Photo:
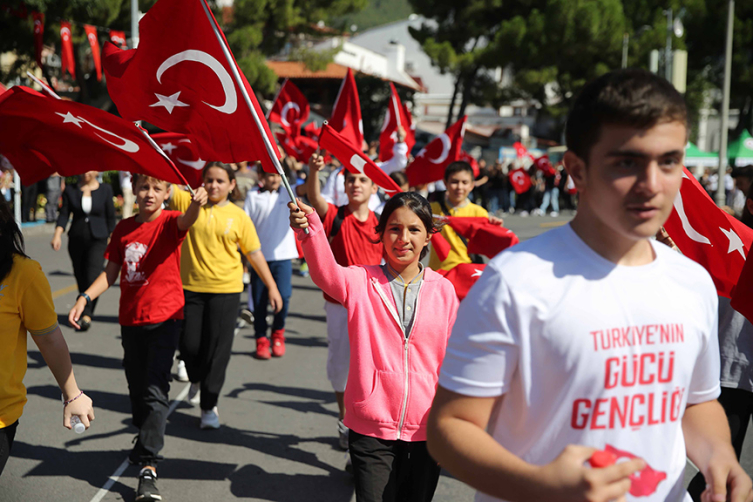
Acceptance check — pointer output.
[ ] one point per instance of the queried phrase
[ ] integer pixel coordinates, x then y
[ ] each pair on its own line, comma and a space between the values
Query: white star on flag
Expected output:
477, 273
168, 147
68, 118
735, 243
169, 102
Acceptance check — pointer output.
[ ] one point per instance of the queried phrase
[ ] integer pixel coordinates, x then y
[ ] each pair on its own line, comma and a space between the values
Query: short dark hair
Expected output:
416, 203
631, 97
399, 177
347, 171
456, 167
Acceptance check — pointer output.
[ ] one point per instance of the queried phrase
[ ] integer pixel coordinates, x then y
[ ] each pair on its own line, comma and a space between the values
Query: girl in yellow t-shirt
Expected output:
26, 305
212, 275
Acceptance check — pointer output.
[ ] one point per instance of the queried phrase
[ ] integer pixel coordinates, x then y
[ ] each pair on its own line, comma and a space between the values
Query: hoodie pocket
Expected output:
383, 403
423, 387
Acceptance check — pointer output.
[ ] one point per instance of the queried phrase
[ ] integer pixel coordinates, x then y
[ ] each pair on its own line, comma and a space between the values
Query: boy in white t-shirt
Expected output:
591, 336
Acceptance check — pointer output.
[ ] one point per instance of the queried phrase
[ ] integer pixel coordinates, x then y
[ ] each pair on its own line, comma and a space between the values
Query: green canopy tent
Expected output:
740, 151
695, 157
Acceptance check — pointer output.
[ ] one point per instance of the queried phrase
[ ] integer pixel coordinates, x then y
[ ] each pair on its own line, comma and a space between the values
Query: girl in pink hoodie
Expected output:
400, 316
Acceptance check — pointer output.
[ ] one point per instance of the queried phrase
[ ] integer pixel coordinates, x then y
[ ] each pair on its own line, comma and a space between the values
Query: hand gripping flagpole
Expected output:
247, 99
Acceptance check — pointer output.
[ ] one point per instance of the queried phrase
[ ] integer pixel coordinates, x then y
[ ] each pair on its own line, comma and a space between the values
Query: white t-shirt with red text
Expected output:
588, 352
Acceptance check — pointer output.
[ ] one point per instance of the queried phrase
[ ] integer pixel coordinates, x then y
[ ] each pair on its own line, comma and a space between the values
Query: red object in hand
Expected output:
602, 458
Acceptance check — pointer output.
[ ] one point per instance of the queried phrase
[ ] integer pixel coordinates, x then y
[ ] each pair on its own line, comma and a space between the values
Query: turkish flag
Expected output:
38, 36
69, 62
522, 151
180, 80
706, 234
346, 114
184, 154
313, 132
393, 118
463, 276
290, 109
91, 35
483, 236
118, 38
41, 135
431, 162
299, 147
544, 165
354, 160
410, 128
465, 156
520, 180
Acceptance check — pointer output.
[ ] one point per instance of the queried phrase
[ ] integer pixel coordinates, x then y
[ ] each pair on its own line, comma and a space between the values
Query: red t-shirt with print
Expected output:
149, 256
356, 243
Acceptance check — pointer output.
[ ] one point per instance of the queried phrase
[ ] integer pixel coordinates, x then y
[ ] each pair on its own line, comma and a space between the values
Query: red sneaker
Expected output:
262, 348
278, 343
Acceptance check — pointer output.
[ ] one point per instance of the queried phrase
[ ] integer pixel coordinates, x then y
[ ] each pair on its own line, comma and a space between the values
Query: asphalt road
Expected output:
278, 436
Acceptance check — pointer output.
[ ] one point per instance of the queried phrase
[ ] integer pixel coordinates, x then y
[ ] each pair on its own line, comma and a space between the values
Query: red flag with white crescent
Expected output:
520, 180
38, 18
290, 109
91, 36
299, 147
184, 154
393, 119
180, 80
706, 234
354, 160
68, 61
522, 151
346, 113
118, 38
410, 128
463, 276
430, 163
41, 135
544, 165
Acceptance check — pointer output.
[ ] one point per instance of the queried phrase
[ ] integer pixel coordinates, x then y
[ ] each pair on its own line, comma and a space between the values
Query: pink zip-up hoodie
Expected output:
391, 381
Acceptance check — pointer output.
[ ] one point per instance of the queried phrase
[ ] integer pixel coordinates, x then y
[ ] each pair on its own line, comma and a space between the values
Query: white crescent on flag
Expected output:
446, 145
284, 113
231, 97
127, 146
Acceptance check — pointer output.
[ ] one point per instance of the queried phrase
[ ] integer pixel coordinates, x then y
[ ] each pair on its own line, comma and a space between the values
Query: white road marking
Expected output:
122, 467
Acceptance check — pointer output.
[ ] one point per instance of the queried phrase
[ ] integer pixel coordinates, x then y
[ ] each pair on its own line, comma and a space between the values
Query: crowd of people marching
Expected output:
583, 365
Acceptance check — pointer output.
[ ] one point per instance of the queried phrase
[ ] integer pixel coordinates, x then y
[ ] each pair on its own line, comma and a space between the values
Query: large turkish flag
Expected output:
41, 135
354, 160
346, 113
431, 162
180, 80
290, 109
706, 234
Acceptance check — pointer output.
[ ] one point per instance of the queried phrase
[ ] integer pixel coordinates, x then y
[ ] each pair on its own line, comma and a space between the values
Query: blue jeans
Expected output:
498, 199
282, 272
552, 196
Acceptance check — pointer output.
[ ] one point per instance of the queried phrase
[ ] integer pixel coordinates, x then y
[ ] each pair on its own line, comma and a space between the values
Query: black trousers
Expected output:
738, 406
207, 340
392, 471
88, 259
29, 203
148, 358
6, 443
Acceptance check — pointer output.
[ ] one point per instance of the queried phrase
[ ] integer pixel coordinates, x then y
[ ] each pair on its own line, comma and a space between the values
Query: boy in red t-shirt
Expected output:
147, 248
354, 241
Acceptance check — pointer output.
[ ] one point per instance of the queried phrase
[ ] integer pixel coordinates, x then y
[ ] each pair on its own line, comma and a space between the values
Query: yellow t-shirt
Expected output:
210, 261
25, 304
458, 251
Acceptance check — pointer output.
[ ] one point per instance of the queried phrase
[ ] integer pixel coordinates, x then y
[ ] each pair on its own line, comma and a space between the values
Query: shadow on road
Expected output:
252, 481
308, 317
306, 287
79, 359
102, 400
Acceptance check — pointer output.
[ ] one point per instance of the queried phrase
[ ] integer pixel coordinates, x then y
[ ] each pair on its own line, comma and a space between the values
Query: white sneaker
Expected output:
210, 419
194, 394
524, 213
554, 214
343, 433
182, 374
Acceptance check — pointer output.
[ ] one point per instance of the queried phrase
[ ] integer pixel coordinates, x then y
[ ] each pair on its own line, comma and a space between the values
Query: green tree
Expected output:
261, 28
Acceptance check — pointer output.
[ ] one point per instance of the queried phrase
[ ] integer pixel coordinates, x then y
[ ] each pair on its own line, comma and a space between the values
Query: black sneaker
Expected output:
147, 490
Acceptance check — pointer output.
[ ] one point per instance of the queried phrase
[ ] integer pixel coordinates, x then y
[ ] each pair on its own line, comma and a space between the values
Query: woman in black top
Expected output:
93, 221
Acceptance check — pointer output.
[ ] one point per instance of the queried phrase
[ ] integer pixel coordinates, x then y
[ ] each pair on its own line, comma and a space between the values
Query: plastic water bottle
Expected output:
78, 427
